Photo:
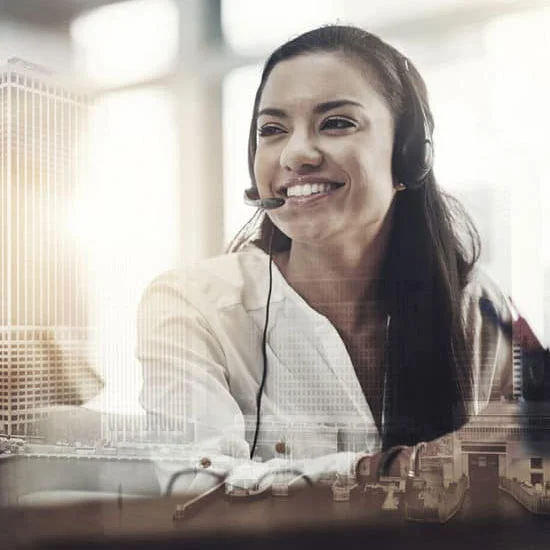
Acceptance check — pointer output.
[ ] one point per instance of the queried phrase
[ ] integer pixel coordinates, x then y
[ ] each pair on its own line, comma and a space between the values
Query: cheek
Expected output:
262, 170
373, 189
373, 173
359, 171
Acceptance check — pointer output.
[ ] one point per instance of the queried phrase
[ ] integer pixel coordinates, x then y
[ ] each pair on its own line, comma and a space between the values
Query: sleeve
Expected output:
488, 325
185, 380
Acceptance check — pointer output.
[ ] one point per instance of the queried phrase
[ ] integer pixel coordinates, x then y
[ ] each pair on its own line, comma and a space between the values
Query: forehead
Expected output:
316, 77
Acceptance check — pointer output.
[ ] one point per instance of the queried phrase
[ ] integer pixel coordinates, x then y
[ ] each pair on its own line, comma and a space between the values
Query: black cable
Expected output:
176, 475
264, 348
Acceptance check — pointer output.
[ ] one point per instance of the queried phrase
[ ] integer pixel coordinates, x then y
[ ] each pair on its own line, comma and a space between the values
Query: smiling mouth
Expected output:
310, 189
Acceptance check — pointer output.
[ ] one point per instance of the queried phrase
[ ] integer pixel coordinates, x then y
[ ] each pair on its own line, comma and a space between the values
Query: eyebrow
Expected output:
319, 109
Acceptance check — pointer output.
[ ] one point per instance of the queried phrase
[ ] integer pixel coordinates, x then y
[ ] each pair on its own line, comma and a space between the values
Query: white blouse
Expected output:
200, 346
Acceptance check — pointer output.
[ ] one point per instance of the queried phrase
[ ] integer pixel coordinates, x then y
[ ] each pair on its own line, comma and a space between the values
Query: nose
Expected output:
301, 152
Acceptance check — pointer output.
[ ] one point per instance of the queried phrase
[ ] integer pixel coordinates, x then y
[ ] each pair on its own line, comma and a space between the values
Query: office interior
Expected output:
143, 164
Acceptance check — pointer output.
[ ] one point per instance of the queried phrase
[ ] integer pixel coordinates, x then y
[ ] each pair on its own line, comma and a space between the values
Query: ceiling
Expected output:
59, 13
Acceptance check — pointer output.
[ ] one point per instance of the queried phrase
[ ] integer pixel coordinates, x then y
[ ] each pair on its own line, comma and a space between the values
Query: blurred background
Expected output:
124, 144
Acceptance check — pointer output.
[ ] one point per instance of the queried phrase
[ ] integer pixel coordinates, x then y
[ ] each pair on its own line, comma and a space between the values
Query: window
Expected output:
536, 463
239, 88
144, 47
537, 479
249, 29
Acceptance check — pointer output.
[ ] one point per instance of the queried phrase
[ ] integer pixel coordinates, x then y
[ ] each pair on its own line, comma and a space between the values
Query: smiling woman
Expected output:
345, 319
329, 127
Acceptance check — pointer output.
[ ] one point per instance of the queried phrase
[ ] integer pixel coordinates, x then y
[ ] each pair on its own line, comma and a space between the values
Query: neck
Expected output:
340, 280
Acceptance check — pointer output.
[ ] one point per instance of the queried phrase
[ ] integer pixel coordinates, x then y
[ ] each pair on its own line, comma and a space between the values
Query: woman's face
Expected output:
325, 140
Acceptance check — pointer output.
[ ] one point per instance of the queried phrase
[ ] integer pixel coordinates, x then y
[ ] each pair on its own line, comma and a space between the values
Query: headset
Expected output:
412, 162
413, 152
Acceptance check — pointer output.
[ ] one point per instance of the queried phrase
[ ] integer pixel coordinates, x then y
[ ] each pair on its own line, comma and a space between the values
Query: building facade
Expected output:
44, 351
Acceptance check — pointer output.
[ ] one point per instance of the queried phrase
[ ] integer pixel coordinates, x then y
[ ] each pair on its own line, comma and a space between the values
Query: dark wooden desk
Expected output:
307, 519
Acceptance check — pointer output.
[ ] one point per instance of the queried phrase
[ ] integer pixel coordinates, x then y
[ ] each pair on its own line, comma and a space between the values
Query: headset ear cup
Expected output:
428, 157
413, 160
428, 153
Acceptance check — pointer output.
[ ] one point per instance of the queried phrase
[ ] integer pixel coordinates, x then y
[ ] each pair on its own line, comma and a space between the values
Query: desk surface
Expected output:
307, 519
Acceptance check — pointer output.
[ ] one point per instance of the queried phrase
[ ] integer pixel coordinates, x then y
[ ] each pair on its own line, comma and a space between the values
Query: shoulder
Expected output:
219, 282
484, 299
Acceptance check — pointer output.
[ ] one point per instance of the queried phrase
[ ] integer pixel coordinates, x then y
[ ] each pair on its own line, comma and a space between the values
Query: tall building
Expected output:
517, 370
44, 352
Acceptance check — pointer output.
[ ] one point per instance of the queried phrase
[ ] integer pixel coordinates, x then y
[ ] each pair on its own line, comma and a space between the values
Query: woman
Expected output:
347, 319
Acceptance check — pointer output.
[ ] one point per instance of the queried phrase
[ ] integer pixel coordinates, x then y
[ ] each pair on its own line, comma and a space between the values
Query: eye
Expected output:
337, 123
269, 130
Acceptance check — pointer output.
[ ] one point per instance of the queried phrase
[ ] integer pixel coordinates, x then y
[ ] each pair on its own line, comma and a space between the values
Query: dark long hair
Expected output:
432, 249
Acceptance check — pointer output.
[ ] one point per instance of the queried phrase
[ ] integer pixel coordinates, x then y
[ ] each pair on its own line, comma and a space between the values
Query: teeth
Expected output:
308, 189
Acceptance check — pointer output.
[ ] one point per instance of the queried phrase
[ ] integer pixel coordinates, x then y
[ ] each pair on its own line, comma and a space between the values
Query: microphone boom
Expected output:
266, 204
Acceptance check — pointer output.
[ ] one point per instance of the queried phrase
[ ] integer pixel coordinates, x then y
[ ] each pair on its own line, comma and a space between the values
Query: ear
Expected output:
397, 185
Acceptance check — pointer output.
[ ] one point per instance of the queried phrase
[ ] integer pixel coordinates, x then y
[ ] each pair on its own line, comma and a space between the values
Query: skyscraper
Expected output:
44, 355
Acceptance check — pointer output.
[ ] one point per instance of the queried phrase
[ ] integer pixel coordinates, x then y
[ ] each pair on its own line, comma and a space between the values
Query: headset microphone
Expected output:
271, 203
267, 204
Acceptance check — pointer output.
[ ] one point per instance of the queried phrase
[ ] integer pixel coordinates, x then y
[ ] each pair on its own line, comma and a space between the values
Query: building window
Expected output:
537, 479
536, 463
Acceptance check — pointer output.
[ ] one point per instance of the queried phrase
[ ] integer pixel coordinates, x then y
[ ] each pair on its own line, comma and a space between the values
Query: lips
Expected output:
309, 189
306, 187
302, 200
